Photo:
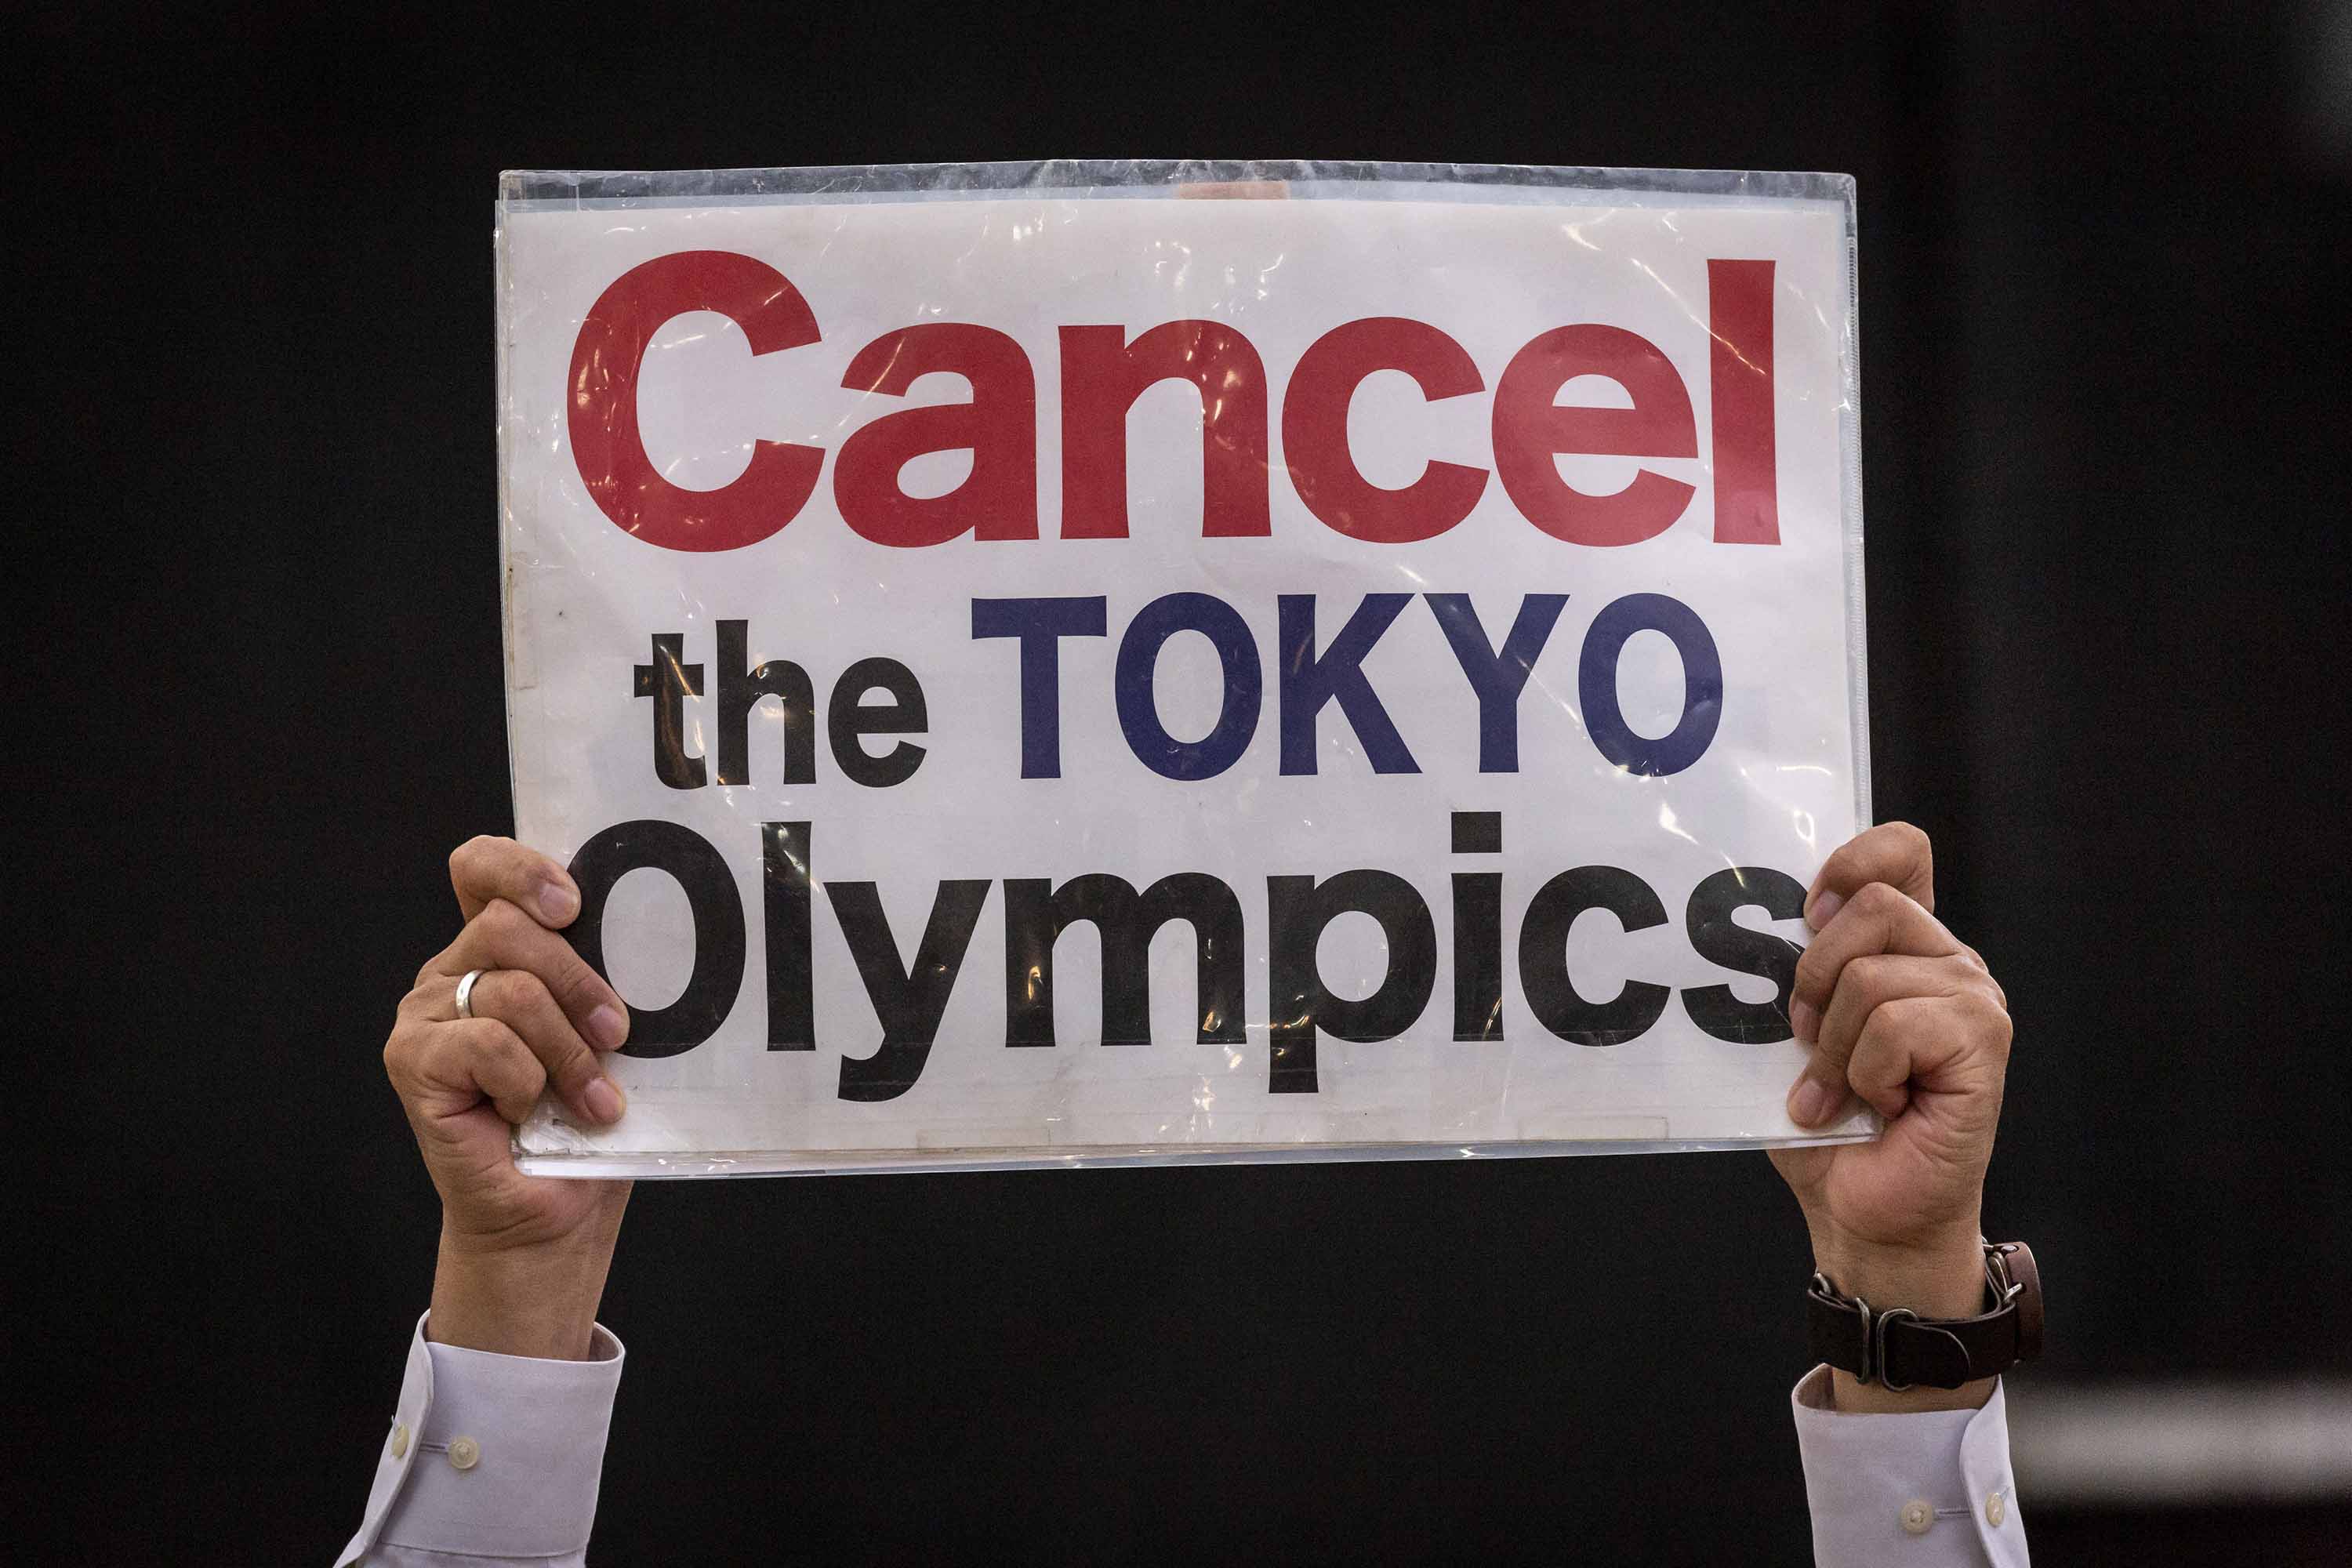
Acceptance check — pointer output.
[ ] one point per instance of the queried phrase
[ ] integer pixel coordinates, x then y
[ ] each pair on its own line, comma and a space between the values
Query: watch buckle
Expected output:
1874, 1340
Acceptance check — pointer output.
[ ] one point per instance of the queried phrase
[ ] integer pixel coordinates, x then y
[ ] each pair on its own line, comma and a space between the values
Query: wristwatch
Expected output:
1896, 1348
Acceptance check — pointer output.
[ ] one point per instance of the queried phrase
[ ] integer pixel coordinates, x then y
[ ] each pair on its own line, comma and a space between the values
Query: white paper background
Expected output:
1777, 786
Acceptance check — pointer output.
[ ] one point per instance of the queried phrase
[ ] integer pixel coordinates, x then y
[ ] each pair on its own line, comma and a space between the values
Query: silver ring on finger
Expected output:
466, 992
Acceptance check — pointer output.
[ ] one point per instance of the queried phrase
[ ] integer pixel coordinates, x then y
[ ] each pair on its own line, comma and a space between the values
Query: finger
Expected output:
1895, 853
1864, 985
468, 1060
1909, 1042
503, 937
1877, 919
1873, 980
484, 868
520, 1000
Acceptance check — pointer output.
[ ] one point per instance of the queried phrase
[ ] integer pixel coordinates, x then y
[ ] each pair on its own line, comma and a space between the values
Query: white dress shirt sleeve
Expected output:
489, 1459
495, 1458
1933, 1491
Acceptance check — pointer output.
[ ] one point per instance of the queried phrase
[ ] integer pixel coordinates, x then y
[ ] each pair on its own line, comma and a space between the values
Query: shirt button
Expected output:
1996, 1510
399, 1440
1917, 1515
463, 1453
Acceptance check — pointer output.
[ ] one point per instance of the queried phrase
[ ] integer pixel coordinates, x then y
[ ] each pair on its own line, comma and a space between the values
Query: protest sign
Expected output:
1074, 662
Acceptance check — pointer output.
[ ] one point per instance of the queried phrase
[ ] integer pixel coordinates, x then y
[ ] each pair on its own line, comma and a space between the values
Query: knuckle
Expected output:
530, 992
1908, 837
498, 1049
1888, 1022
1870, 977
486, 1076
573, 1066
524, 1077
1885, 1055
468, 855
501, 919
579, 988
1875, 1061
408, 1029
506, 994
1875, 899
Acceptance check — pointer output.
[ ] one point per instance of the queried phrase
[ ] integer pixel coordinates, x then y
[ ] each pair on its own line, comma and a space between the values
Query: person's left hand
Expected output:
1902, 1013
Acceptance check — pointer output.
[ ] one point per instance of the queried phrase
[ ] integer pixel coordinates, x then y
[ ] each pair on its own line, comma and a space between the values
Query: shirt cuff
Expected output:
492, 1455
1929, 1488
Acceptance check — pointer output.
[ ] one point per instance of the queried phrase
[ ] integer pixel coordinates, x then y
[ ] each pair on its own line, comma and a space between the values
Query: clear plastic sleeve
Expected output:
1075, 663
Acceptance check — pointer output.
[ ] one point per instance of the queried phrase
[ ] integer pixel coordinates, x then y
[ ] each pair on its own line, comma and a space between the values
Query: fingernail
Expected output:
1804, 1018
606, 1027
604, 1101
1824, 910
1811, 1102
557, 902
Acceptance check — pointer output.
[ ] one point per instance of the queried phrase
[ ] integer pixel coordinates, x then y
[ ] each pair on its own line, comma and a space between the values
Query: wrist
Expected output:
1936, 1276
1941, 1276
538, 1301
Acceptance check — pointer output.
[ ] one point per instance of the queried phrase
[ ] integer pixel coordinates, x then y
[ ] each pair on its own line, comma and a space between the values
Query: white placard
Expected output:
1422, 750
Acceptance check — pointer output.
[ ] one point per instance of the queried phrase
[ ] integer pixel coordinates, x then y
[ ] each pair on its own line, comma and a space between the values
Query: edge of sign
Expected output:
1857, 635
932, 1162
527, 190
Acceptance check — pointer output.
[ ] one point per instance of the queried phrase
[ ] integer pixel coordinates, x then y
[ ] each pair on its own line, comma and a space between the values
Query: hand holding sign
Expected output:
1902, 1013
522, 1257
1897, 1009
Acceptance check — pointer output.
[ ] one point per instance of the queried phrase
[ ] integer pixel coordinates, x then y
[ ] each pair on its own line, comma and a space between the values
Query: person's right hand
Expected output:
522, 1259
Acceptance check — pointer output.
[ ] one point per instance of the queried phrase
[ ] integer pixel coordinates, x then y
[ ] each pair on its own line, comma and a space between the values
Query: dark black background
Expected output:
2104, 283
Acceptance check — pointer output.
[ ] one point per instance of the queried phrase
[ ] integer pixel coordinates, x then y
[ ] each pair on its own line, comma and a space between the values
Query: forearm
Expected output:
540, 1300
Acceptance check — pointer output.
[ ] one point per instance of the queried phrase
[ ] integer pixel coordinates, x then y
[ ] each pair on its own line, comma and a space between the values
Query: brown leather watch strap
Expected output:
1894, 1346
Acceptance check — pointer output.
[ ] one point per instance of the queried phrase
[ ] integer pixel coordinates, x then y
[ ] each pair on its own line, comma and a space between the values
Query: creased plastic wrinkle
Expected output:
1088, 663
